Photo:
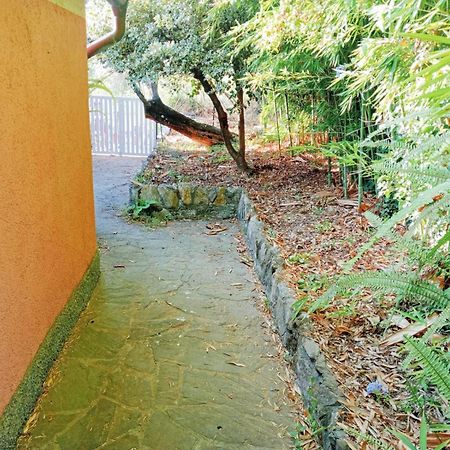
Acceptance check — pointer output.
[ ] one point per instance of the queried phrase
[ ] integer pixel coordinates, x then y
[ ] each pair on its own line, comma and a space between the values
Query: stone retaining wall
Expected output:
188, 201
318, 386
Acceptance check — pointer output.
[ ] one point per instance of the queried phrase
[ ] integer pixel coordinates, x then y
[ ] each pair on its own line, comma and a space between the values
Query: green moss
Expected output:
23, 401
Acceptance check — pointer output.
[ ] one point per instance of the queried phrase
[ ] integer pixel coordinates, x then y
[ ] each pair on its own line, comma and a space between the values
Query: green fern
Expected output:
432, 175
432, 212
422, 438
442, 241
423, 199
442, 321
417, 146
417, 251
406, 284
435, 367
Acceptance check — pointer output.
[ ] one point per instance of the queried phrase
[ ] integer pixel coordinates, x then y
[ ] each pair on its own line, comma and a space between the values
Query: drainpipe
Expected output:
119, 8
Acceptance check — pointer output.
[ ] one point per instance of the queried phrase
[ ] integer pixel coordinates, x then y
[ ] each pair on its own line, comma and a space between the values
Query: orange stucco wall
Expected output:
47, 232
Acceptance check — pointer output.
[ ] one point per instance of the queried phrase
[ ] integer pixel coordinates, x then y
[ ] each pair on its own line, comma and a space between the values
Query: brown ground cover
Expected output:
317, 231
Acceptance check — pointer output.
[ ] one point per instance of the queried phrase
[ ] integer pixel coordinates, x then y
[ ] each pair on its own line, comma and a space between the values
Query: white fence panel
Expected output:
119, 127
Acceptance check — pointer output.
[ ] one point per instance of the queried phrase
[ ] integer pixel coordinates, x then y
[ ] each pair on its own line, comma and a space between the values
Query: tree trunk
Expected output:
156, 110
241, 106
222, 116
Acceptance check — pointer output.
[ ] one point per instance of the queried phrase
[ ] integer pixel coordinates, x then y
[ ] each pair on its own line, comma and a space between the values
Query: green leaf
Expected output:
434, 366
442, 241
428, 37
407, 284
404, 439
423, 433
423, 199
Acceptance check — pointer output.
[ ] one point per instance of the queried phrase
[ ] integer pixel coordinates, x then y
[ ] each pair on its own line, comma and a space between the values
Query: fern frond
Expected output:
416, 249
434, 366
432, 143
407, 285
430, 212
423, 199
433, 175
324, 300
441, 322
373, 219
442, 241
415, 147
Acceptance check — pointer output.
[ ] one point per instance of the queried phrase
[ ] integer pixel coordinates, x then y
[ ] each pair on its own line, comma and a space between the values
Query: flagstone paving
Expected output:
170, 352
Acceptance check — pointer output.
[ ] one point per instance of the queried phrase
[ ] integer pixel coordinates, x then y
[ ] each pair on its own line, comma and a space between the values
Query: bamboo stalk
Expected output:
278, 123
288, 118
344, 181
361, 154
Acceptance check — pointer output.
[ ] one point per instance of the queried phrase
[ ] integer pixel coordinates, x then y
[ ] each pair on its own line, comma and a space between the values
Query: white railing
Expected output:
119, 127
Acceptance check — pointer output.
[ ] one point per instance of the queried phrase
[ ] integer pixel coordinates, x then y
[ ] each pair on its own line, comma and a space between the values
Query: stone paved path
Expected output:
170, 352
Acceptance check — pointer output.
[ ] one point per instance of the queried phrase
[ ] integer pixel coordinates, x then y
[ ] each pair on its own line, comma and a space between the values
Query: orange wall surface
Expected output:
47, 230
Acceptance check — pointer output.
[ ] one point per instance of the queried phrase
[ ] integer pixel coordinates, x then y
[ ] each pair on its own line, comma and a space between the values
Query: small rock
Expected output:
169, 197
212, 195
201, 196
150, 192
311, 348
221, 198
186, 193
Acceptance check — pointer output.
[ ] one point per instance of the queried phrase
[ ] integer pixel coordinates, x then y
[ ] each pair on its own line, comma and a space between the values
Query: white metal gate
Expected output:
119, 127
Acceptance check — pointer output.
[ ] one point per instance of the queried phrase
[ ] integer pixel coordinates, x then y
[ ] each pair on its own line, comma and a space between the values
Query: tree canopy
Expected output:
173, 40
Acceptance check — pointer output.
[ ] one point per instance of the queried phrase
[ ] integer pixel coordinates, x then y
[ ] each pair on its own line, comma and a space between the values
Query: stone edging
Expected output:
317, 384
24, 399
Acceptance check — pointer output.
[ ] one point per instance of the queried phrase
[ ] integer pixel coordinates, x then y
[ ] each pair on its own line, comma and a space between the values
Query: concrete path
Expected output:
170, 352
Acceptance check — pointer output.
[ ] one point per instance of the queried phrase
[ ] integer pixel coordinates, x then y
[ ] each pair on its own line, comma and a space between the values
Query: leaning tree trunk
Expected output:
238, 156
156, 110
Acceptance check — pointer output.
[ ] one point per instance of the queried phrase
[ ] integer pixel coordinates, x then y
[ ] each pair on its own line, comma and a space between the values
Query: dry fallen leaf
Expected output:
235, 364
411, 330
435, 439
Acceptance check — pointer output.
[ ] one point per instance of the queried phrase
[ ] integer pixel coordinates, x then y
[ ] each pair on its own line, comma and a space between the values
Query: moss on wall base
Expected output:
23, 401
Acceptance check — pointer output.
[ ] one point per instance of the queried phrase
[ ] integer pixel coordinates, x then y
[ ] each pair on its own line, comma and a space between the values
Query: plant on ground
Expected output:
324, 227
299, 258
150, 212
312, 427
139, 207
220, 154
345, 311
405, 440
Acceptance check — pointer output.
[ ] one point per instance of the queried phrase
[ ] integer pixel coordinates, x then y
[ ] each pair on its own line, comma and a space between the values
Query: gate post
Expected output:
120, 125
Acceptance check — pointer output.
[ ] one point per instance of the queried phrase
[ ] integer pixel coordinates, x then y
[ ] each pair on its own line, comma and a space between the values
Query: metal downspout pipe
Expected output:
119, 8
